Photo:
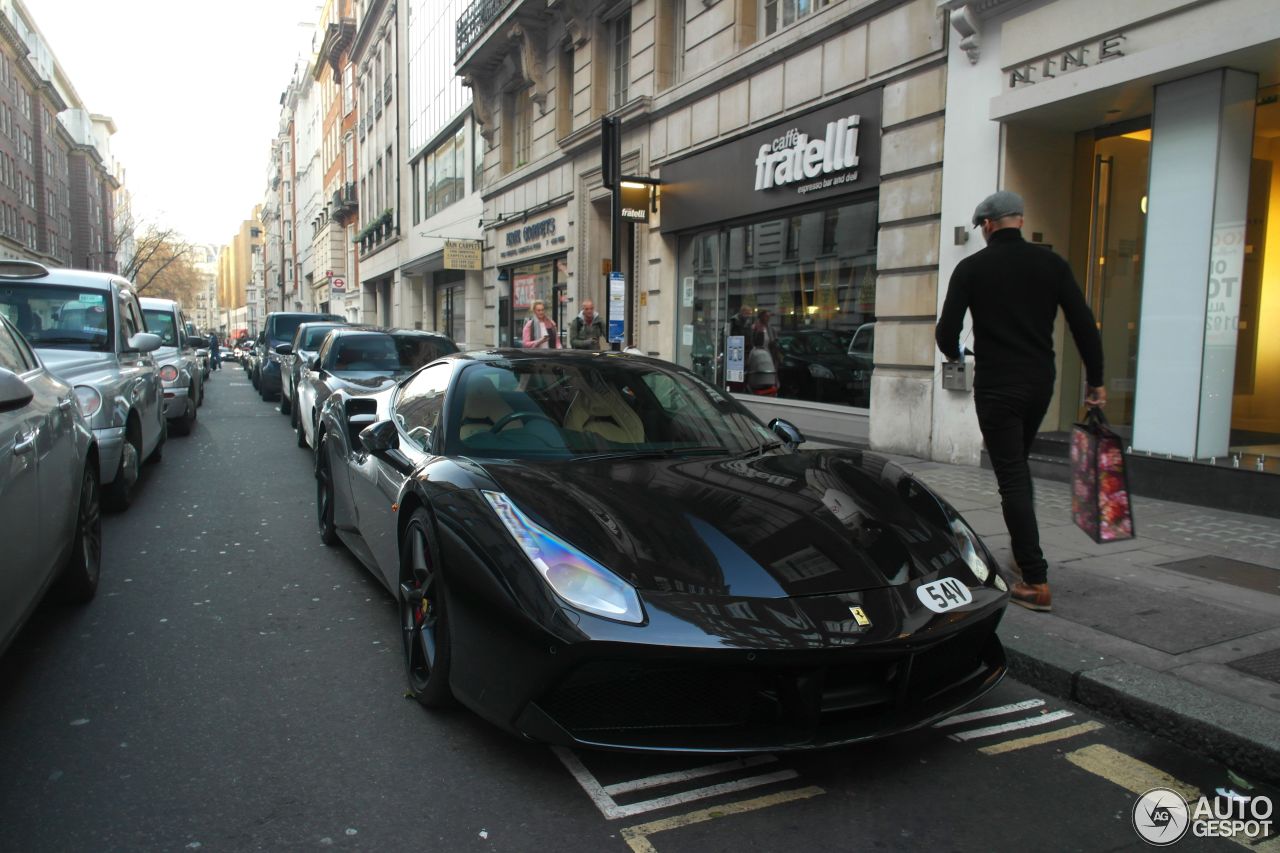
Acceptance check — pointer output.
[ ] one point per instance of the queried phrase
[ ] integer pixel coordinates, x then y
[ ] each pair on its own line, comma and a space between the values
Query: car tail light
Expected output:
89, 400
169, 373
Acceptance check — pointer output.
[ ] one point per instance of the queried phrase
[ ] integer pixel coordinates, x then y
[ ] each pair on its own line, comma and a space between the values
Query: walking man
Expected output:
1013, 289
587, 329
215, 355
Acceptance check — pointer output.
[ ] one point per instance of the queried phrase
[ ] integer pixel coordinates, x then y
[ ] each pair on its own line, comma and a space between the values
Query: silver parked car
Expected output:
180, 370
88, 329
50, 522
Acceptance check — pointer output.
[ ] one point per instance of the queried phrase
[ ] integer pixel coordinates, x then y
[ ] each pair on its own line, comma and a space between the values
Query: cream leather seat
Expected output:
483, 408
604, 413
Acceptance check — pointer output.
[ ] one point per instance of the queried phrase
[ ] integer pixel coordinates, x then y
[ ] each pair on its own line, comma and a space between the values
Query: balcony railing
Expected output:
473, 23
344, 201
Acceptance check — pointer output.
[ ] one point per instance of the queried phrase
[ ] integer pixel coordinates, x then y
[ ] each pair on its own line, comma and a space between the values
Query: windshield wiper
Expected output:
762, 449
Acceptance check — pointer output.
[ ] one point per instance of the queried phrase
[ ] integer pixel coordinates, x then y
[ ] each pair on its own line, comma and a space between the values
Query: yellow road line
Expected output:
1139, 777
1036, 740
1129, 773
637, 837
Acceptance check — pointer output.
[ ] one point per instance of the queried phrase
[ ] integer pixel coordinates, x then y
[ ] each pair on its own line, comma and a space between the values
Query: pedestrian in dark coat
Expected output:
1014, 289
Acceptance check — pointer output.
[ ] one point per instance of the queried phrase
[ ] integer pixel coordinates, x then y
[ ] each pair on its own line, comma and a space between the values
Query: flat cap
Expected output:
998, 205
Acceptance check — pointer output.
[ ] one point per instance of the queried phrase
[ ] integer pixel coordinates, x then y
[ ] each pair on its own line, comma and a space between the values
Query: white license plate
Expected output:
943, 595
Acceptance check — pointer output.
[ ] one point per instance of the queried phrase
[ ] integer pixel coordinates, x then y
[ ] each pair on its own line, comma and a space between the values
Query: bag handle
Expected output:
1094, 416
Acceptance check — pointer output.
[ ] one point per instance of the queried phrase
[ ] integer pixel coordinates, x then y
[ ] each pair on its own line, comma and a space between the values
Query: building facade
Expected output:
335, 285
1145, 138
57, 176
796, 150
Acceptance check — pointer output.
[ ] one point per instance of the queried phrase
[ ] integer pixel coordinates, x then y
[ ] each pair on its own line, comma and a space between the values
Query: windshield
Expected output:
607, 407
314, 335
59, 317
413, 351
160, 322
282, 327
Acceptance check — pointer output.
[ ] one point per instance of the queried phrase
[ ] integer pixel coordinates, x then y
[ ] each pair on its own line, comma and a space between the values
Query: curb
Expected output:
1244, 737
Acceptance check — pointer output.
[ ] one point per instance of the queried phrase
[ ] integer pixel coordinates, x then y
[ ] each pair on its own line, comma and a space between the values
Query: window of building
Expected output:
477, 157
813, 311
779, 14
391, 181
671, 42
416, 174
348, 91
620, 41
564, 93
518, 130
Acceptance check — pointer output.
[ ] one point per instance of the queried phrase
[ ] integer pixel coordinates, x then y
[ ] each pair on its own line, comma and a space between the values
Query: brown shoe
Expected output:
1033, 596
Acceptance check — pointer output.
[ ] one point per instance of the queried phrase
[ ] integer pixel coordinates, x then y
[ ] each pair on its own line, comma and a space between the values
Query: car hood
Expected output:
168, 355
778, 525
78, 365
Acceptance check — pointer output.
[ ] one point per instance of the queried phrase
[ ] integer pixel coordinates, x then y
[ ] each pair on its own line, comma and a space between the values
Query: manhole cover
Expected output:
1235, 572
1265, 665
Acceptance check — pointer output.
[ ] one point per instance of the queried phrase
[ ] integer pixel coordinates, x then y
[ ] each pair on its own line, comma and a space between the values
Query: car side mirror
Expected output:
313, 363
144, 342
787, 431
380, 437
14, 393
284, 349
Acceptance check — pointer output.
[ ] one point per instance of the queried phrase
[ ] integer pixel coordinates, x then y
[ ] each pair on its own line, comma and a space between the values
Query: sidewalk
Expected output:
1176, 631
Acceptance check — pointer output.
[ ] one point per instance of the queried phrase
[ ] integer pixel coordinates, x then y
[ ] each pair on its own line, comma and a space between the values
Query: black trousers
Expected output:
1009, 418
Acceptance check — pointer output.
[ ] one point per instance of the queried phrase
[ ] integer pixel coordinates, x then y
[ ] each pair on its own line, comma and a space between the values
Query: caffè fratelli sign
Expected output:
536, 234
1066, 60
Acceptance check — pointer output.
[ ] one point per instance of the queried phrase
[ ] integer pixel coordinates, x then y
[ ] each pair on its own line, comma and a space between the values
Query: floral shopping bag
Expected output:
1099, 485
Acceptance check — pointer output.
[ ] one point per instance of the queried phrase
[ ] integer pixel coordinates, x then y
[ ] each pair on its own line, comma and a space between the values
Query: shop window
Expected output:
1255, 411
800, 288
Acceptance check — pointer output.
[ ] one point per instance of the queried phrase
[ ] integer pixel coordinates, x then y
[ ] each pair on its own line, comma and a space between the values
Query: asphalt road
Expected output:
237, 686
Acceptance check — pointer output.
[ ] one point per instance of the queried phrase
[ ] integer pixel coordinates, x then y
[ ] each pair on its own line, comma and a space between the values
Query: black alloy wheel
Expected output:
79, 580
423, 623
324, 497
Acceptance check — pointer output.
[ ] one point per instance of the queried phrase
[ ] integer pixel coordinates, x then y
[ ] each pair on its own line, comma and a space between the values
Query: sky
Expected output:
194, 90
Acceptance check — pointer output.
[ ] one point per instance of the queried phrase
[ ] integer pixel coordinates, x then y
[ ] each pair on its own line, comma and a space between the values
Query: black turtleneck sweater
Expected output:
1014, 289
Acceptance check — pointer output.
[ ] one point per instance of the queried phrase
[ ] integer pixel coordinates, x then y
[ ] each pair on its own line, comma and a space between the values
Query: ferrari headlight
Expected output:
571, 574
970, 550
821, 371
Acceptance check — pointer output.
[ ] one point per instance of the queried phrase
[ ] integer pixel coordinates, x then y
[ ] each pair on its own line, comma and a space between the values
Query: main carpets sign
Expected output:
820, 154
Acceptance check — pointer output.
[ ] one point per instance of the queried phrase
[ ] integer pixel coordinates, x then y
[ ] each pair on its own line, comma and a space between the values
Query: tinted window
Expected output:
281, 327
413, 351
59, 317
160, 322
370, 352
417, 409
547, 407
313, 335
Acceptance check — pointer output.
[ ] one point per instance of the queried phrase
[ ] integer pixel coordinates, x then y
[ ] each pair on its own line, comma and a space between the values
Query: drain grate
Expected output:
1235, 572
1265, 665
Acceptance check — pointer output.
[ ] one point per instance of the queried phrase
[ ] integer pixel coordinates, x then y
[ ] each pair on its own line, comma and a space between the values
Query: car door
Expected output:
28, 552
376, 483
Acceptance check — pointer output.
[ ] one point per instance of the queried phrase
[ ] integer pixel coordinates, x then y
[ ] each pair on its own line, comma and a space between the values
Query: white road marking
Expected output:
1036, 740
637, 837
989, 712
611, 810
685, 775
1025, 723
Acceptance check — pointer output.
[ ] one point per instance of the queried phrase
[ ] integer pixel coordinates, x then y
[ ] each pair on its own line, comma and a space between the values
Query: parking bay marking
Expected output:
637, 837
1138, 777
989, 712
605, 802
1024, 723
1036, 740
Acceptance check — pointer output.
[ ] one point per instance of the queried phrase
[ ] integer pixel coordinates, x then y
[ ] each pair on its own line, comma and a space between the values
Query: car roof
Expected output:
567, 355
157, 302
342, 331
10, 271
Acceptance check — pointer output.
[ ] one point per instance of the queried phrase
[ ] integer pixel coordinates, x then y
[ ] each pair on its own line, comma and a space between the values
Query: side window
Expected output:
130, 325
12, 353
326, 350
417, 409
